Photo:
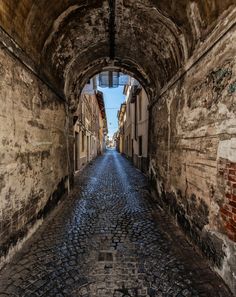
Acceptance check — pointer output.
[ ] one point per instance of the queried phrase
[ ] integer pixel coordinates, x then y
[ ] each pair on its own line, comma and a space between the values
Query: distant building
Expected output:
114, 139
133, 125
121, 122
110, 142
90, 126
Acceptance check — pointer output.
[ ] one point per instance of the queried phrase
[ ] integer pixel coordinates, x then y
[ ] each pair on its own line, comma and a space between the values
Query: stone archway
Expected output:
183, 53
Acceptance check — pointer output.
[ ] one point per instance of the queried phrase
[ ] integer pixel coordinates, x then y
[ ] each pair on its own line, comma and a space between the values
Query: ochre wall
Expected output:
193, 154
33, 166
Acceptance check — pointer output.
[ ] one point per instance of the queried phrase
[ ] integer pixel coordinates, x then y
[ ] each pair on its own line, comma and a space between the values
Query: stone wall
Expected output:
33, 150
193, 154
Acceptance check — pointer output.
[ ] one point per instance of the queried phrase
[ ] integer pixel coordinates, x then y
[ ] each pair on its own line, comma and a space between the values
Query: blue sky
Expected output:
113, 98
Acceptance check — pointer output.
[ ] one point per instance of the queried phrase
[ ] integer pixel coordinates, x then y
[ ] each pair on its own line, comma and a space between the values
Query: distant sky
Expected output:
113, 98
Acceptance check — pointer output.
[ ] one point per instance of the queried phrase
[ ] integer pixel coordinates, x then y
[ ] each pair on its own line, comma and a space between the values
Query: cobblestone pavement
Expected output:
109, 239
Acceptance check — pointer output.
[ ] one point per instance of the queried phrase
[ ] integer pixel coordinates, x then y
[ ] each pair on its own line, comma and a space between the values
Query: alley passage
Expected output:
109, 239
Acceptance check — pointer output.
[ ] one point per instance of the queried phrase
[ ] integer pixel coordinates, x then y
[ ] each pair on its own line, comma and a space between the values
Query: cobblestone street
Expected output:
109, 239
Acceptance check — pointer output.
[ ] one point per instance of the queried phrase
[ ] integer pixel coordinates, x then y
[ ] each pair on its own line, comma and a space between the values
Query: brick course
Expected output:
228, 210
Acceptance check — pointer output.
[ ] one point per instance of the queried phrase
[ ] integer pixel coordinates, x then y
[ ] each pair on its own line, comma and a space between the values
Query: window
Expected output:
140, 107
76, 151
83, 136
140, 145
135, 120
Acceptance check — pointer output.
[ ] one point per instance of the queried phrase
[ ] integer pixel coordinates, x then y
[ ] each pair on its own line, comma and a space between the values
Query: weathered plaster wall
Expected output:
193, 154
33, 150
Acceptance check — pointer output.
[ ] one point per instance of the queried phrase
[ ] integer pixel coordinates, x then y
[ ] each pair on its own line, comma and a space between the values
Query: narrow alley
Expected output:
117, 148
109, 239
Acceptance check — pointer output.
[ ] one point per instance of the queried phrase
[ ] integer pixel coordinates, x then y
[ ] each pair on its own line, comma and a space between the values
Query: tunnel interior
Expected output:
69, 41
182, 52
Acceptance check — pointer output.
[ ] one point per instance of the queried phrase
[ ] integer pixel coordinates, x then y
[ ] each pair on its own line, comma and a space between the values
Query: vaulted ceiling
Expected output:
71, 40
